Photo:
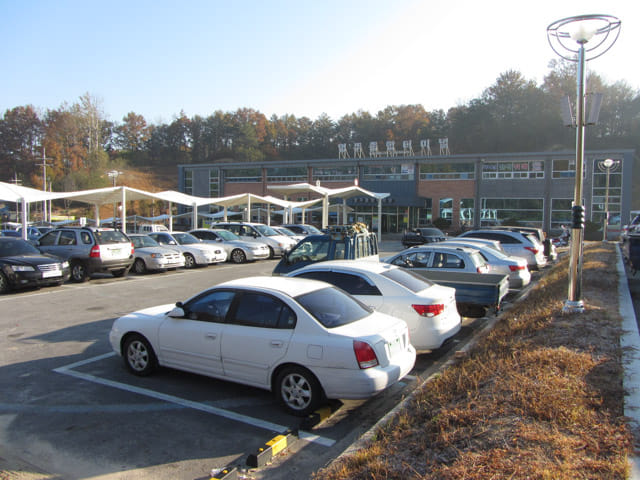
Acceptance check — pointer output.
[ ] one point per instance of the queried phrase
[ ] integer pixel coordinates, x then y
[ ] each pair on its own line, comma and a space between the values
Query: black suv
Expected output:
89, 250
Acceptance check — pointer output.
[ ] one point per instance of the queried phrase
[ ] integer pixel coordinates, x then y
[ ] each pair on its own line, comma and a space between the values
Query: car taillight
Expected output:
95, 251
534, 250
483, 268
429, 310
132, 249
365, 355
515, 268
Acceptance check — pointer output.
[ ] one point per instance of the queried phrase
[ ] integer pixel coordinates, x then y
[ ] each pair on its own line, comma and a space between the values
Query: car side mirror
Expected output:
177, 311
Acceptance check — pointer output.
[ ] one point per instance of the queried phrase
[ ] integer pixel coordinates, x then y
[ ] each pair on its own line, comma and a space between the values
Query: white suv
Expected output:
517, 244
259, 232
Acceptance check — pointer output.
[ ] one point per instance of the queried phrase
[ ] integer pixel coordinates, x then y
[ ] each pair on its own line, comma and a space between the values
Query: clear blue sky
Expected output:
300, 57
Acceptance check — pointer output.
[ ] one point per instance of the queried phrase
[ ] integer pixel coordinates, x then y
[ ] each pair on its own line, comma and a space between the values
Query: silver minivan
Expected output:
259, 232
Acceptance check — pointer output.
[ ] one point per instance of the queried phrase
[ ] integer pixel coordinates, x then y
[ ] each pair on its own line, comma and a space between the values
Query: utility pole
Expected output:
44, 166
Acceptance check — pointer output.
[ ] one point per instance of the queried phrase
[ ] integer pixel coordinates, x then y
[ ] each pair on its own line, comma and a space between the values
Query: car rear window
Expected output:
332, 307
477, 258
412, 281
110, 236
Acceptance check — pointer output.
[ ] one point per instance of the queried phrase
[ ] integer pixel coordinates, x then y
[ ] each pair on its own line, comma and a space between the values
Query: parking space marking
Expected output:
254, 422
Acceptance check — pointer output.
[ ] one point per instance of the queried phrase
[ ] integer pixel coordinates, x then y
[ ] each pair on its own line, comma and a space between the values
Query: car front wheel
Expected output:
4, 283
238, 256
298, 391
139, 266
139, 356
189, 261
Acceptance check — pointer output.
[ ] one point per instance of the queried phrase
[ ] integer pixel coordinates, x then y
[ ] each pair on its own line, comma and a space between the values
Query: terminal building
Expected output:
470, 190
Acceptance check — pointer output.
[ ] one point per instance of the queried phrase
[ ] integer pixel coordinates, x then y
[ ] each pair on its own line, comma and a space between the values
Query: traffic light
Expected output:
577, 216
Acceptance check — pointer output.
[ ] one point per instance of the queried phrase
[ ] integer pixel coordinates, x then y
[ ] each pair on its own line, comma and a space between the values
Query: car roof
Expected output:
356, 265
437, 246
289, 286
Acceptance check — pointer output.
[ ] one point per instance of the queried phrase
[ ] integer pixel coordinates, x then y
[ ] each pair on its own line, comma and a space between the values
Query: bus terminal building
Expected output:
470, 190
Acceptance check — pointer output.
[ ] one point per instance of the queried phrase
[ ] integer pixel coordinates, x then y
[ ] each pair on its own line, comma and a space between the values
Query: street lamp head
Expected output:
583, 32
568, 36
608, 163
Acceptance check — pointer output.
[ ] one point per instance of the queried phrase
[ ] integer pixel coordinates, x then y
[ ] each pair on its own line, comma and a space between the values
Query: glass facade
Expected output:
388, 172
214, 182
287, 174
335, 174
599, 193
513, 170
447, 171
188, 182
243, 175
505, 211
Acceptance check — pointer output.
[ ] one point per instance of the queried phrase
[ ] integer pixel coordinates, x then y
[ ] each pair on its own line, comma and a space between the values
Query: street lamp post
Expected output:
607, 165
113, 175
569, 37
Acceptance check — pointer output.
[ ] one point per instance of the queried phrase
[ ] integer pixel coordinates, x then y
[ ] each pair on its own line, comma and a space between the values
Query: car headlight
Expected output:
64, 265
155, 255
22, 268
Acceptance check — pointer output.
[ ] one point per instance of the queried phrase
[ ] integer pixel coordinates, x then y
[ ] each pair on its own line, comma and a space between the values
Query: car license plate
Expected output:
52, 273
394, 346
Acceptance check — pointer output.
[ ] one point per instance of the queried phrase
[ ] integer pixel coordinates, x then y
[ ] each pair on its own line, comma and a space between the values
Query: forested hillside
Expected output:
80, 144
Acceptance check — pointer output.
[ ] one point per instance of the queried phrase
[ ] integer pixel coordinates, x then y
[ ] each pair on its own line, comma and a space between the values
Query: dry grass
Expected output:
539, 397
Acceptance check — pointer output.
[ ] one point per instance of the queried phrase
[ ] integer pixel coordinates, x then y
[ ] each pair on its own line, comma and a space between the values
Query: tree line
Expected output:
514, 114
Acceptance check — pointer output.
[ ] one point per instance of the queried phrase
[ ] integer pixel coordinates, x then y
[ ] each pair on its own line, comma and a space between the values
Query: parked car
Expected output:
238, 251
422, 235
89, 250
441, 257
195, 251
150, 255
303, 229
303, 340
517, 244
22, 266
288, 233
429, 309
550, 250
259, 232
499, 262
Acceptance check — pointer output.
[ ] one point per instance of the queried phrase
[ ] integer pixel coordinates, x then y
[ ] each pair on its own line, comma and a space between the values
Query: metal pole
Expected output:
574, 301
606, 207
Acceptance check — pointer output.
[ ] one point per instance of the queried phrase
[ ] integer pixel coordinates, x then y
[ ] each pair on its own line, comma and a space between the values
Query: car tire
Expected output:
139, 266
272, 254
189, 261
4, 283
119, 273
238, 256
79, 272
138, 355
298, 391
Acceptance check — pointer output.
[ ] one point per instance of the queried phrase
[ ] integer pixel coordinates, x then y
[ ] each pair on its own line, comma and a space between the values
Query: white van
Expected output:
152, 227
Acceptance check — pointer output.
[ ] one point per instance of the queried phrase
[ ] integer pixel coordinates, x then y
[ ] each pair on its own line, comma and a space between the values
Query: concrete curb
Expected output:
629, 341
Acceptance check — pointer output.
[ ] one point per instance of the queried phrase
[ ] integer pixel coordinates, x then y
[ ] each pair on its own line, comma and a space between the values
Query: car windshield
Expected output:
144, 241
185, 238
333, 307
312, 230
17, 247
227, 235
430, 232
110, 236
266, 231
408, 279
286, 232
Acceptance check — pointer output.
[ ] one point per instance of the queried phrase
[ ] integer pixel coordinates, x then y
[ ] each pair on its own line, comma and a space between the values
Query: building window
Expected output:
467, 210
287, 174
599, 194
447, 171
560, 212
388, 172
334, 174
564, 169
505, 211
243, 175
446, 208
214, 183
513, 170
188, 182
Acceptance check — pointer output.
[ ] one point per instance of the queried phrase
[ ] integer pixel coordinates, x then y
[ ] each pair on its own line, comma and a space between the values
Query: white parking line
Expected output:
255, 422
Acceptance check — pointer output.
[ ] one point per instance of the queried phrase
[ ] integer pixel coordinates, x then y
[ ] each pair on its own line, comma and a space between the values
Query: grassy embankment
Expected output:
540, 396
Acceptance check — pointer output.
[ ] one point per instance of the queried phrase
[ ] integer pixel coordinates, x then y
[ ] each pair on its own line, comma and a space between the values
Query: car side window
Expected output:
48, 239
259, 310
85, 238
67, 238
453, 261
210, 307
418, 259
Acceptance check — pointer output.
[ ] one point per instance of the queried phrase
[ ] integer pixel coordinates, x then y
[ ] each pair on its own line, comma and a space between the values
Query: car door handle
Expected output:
212, 336
276, 343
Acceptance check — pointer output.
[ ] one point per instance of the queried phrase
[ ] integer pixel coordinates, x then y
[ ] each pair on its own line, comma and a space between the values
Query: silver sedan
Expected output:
152, 256
238, 251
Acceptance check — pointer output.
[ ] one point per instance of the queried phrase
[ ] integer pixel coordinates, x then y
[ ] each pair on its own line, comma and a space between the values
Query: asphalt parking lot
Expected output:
69, 407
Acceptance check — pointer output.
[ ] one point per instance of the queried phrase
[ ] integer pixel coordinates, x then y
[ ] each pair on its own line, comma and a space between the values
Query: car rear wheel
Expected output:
139, 266
4, 283
139, 356
298, 391
189, 261
238, 256
79, 272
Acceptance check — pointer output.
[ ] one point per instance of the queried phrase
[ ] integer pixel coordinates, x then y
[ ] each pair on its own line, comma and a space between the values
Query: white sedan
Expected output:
429, 309
304, 340
195, 251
